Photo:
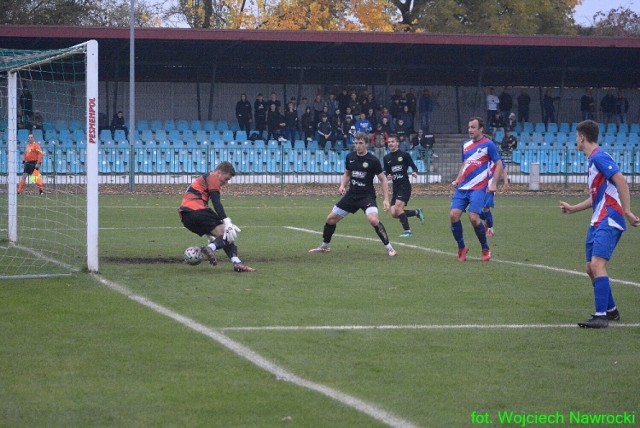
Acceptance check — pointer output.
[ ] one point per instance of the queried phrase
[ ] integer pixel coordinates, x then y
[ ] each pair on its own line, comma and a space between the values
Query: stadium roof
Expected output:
346, 58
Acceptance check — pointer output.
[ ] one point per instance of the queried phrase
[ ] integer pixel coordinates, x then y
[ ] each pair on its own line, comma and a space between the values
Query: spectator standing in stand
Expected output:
622, 108
244, 113
506, 104
608, 107
524, 101
549, 108
307, 125
291, 123
425, 108
492, 105
587, 105
260, 109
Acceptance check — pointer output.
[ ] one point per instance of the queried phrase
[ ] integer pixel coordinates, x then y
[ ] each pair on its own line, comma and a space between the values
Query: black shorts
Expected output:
200, 222
352, 203
401, 192
29, 167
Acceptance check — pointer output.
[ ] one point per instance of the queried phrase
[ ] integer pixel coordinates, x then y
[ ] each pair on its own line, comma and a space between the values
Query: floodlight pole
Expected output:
132, 98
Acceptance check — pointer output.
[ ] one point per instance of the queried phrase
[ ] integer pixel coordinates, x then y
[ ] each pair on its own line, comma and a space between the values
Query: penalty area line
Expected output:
248, 354
493, 260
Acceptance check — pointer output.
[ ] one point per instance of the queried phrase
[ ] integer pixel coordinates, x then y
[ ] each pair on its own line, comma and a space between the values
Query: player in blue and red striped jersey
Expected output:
471, 186
611, 204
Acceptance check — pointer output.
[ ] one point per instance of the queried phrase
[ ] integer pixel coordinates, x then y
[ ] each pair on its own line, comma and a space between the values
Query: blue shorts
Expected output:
474, 199
601, 241
489, 200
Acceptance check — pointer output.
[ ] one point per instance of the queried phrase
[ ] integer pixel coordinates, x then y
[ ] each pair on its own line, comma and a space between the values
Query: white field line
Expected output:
256, 359
418, 327
493, 260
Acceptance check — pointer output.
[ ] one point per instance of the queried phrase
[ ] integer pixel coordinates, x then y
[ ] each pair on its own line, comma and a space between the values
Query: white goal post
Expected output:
52, 95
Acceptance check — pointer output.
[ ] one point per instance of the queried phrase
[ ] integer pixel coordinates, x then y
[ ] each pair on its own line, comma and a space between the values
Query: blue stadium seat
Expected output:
539, 127
635, 128
50, 135
23, 135
142, 125
195, 125
527, 127
564, 127
156, 125
146, 136
209, 125
561, 138
61, 124
632, 139
222, 126
201, 136
536, 138
609, 139
611, 128
79, 136
623, 128
227, 135
169, 125
182, 125
106, 137
119, 136
76, 124
552, 127
549, 138
241, 136
175, 136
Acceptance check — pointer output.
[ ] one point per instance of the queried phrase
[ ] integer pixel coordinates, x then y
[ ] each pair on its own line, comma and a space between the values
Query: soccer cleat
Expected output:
462, 254
596, 321
490, 232
406, 234
486, 255
613, 315
420, 215
211, 255
391, 252
239, 267
321, 249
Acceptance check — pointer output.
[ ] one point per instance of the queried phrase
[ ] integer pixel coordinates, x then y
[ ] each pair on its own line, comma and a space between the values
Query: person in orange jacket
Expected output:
31, 162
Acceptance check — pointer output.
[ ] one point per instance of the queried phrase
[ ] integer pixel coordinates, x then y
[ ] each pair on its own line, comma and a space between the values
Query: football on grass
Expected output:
192, 256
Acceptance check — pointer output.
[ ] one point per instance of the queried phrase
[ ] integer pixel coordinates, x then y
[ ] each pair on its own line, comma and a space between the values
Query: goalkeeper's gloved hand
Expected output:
230, 230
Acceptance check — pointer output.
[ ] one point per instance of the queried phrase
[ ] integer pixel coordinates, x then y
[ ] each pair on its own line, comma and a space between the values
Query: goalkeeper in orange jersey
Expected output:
31, 162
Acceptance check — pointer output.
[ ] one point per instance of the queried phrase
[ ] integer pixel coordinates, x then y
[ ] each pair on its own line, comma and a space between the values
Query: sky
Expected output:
584, 13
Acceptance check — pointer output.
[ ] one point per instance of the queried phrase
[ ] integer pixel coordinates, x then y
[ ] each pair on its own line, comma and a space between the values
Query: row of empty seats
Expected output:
541, 139
571, 161
565, 127
178, 161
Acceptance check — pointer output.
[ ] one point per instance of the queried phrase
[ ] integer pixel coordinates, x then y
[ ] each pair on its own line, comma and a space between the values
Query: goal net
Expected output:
50, 227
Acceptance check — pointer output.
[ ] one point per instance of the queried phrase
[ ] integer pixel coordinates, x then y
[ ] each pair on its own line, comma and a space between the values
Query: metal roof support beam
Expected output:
214, 69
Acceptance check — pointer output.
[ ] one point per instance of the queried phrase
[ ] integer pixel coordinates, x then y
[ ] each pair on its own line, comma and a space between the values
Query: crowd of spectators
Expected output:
337, 117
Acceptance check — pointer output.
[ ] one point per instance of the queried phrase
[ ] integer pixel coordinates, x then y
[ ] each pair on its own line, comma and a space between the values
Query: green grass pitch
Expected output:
421, 337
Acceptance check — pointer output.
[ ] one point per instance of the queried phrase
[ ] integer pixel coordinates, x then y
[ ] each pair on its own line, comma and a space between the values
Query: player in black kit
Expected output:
360, 169
396, 166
